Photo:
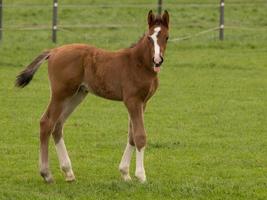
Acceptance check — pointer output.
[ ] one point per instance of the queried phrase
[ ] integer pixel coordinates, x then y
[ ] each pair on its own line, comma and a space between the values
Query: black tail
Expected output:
26, 75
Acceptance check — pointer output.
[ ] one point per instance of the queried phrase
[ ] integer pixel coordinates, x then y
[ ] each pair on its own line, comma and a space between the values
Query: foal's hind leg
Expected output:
64, 160
69, 106
47, 125
127, 155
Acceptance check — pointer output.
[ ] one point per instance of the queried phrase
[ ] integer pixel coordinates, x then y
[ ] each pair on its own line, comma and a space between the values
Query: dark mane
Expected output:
140, 39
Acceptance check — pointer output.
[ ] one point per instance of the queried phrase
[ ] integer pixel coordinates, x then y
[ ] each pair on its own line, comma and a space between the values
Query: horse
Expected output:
129, 75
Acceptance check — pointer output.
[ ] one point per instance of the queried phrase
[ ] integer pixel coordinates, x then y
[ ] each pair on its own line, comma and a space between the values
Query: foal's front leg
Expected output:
136, 112
127, 155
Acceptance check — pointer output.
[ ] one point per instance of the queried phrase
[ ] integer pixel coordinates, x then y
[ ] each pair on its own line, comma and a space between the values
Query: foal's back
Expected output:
98, 70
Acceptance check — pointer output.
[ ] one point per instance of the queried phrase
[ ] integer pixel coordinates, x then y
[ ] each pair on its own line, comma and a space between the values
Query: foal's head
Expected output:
158, 36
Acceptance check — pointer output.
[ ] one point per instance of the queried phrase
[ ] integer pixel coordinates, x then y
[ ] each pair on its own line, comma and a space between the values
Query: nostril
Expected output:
158, 61
161, 59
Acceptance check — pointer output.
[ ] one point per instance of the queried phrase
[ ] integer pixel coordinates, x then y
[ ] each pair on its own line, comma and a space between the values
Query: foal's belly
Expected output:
106, 92
104, 86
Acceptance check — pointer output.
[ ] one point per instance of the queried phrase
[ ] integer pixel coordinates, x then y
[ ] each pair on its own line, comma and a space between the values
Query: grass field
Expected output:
206, 125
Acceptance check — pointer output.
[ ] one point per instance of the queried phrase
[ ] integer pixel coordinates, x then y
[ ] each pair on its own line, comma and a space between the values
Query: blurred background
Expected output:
118, 22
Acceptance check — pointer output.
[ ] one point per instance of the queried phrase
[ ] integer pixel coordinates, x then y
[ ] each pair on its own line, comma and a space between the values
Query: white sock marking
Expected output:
154, 37
140, 170
126, 159
63, 156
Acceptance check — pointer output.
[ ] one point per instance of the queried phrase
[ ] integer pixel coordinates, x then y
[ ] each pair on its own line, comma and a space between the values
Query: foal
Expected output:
128, 75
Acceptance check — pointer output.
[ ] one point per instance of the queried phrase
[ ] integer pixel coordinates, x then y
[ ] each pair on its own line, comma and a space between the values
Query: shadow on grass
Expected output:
164, 145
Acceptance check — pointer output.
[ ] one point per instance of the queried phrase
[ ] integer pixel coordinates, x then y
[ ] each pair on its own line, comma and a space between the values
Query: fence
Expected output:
159, 5
1, 18
55, 17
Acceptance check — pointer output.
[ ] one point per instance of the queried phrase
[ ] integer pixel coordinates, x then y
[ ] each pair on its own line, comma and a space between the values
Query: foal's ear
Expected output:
150, 18
165, 18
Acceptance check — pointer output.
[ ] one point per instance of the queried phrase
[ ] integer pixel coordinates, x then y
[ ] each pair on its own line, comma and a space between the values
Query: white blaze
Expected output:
154, 37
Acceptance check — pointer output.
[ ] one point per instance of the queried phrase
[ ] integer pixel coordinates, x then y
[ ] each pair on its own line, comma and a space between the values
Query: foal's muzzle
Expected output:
158, 63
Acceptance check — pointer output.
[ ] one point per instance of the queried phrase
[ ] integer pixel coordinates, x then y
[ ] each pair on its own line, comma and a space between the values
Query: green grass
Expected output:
206, 125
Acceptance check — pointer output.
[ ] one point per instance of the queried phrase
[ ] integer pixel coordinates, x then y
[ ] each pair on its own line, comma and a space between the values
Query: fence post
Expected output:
1, 19
159, 6
54, 22
221, 28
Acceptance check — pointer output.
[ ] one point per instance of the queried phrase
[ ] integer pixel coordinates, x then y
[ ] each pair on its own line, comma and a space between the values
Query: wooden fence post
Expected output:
54, 22
159, 6
1, 19
221, 28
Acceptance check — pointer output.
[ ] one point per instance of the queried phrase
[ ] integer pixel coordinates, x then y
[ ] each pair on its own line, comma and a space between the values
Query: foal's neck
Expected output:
142, 53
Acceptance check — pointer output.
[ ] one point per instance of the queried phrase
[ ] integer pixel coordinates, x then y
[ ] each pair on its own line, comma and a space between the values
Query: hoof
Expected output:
69, 176
125, 173
67, 171
141, 177
48, 178
126, 177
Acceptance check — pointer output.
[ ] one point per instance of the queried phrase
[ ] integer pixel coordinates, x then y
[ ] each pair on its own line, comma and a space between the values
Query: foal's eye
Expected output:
167, 38
150, 39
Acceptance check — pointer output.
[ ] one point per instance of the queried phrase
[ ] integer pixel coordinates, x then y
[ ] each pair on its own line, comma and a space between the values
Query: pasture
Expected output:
206, 125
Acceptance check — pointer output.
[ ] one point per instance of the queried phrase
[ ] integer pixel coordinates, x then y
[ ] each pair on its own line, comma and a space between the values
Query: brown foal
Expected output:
128, 75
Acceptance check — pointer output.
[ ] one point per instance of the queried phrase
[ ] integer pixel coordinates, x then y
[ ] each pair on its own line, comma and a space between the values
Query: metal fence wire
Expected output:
159, 4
